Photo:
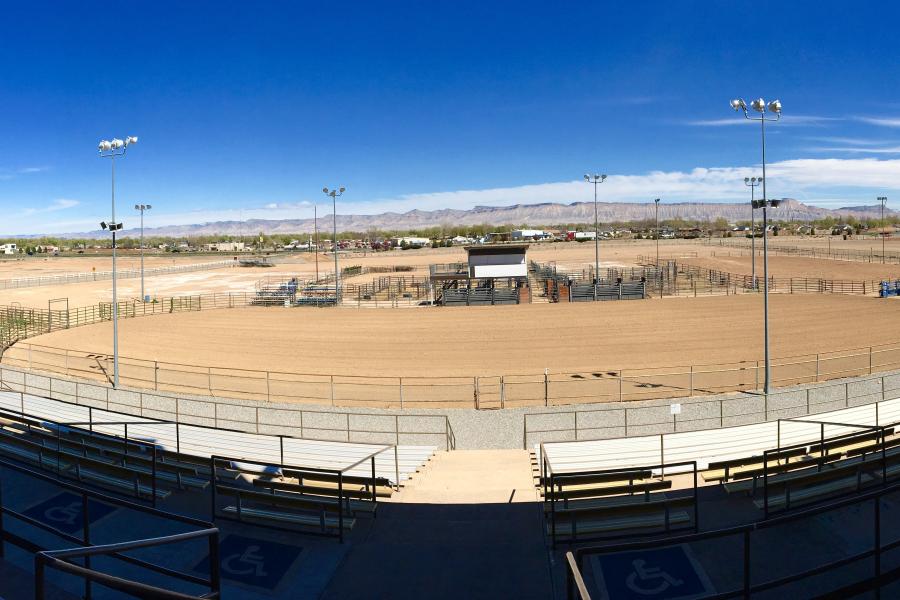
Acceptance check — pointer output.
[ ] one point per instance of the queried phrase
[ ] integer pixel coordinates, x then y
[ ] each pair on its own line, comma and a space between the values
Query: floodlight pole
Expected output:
657, 248
316, 230
142, 208
761, 107
883, 200
596, 180
111, 150
334, 196
752, 183
115, 306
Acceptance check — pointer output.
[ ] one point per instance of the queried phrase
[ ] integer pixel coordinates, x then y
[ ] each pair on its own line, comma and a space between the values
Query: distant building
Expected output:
225, 247
415, 242
518, 235
9, 249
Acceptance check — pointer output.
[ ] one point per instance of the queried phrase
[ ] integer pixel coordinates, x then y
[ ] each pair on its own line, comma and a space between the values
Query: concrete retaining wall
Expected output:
464, 428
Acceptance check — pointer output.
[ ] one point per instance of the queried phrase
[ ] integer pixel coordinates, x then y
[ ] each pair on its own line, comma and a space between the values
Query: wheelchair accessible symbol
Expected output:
66, 515
649, 581
670, 573
247, 563
64, 512
253, 562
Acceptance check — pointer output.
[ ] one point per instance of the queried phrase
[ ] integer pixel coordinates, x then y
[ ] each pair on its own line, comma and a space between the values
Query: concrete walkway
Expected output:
473, 477
469, 526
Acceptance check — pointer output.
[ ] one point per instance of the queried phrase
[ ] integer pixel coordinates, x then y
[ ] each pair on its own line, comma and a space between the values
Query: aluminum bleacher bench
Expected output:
383, 487
85, 469
748, 480
354, 500
799, 488
639, 488
742, 468
137, 460
317, 513
664, 514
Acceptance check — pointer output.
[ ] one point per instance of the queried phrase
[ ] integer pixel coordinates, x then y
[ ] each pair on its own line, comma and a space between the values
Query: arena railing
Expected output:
682, 278
872, 256
66, 278
62, 559
480, 392
576, 588
622, 421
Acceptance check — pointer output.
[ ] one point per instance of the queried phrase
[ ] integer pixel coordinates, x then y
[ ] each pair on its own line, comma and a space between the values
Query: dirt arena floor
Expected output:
472, 341
790, 266
615, 253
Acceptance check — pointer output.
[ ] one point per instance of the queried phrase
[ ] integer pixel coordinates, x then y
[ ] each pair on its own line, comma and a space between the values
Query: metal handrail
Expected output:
747, 588
61, 560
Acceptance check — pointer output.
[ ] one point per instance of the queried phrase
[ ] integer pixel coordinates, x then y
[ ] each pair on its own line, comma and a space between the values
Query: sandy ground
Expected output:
617, 253
789, 266
497, 340
35, 266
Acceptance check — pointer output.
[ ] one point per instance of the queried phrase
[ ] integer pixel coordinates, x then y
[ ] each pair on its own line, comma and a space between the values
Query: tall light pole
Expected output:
774, 107
335, 194
111, 149
752, 182
656, 202
883, 200
142, 208
596, 180
316, 230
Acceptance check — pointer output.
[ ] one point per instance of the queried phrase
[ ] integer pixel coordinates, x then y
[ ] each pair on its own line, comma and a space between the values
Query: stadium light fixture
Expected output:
142, 208
774, 107
596, 180
335, 194
112, 149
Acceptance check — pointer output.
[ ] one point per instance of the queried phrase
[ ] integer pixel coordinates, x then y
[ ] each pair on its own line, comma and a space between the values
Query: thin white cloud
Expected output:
787, 119
858, 150
830, 182
29, 170
56, 205
881, 121
286, 205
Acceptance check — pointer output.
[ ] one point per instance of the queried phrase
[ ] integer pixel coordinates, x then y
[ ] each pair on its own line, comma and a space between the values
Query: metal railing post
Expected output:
546, 388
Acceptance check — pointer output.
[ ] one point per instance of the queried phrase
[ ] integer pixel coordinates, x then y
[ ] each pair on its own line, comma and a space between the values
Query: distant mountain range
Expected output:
544, 214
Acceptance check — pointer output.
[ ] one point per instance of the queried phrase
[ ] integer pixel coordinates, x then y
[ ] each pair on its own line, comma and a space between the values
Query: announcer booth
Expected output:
491, 275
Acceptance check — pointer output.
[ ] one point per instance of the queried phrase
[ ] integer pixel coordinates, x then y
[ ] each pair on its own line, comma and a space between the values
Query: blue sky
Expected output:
249, 109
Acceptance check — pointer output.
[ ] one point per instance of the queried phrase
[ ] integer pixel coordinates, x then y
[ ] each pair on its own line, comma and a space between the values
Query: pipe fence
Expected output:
65, 278
624, 421
873, 255
679, 278
481, 391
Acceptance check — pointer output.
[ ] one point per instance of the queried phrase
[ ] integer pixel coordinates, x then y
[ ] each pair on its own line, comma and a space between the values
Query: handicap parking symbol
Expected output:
64, 512
669, 573
254, 562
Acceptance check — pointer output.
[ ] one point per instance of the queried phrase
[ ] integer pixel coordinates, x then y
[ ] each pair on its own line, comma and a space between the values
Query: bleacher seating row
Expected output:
320, 486
605, 487
205, 442
710, 445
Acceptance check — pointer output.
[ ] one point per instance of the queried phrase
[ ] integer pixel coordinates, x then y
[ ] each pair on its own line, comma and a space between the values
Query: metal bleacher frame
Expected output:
576, 588
63, 559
